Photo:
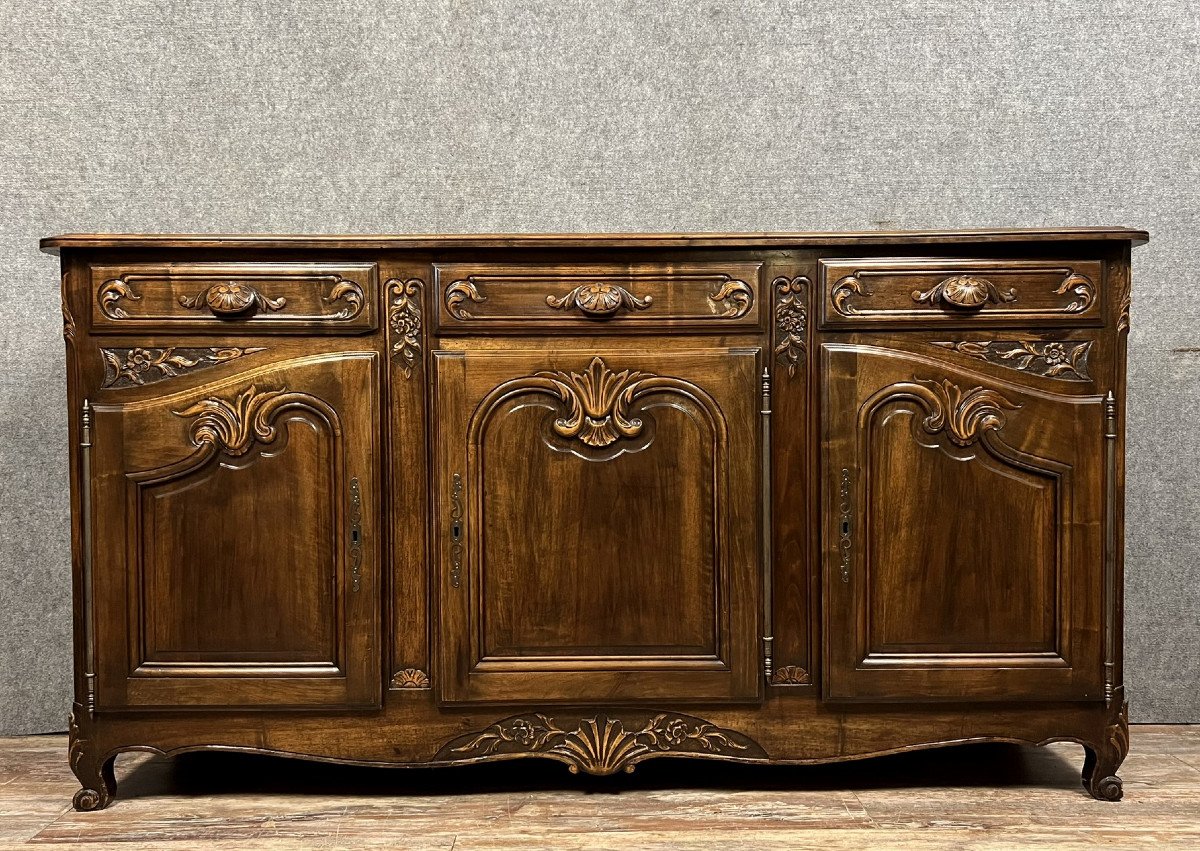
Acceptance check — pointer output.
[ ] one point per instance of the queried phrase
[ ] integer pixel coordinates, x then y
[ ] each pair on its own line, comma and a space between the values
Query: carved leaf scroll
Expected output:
110, 295
964, 291
235, 426
599, 299
601, 744
598, 401
964, 415
842, 290
138, 366
735, 296
459, 292
1064, 360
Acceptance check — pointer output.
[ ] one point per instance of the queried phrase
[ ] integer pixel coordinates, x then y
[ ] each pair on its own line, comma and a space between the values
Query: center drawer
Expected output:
577, 298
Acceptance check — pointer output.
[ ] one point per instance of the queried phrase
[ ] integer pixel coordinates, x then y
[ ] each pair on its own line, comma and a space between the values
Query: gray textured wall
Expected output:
546, 115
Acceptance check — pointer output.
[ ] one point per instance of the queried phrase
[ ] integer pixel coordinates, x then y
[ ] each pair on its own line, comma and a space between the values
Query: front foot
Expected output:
95, 774
1100, 762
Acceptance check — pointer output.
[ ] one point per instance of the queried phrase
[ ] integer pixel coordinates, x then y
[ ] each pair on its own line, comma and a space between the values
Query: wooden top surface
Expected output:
52, 245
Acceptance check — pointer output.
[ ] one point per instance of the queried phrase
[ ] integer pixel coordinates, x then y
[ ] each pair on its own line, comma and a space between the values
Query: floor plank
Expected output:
974, 797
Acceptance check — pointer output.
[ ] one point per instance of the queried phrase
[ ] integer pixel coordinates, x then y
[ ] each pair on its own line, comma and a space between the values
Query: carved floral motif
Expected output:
601, 744
599, 299
404, 316
138, 366
738, 295
230, 298
598, 402
791, 320
1065, 360
410, 678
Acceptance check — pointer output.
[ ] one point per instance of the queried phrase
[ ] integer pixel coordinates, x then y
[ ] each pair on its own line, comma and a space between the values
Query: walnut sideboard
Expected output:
432, 500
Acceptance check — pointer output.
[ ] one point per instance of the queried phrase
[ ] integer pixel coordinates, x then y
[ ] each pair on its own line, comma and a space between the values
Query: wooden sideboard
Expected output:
430, 500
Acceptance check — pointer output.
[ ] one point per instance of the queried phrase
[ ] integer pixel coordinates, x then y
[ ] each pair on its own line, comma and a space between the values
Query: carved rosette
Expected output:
459, 292
1063, 360
601, 744
1082, 288
790, 675
110, 295
136, 367
236, 426
732, 300
842, 291
598, 401
232, 298
791, 321
404, 317
599, 299
964, 291
410, 678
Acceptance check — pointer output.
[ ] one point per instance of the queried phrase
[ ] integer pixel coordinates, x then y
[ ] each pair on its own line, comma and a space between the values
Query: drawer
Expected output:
941, 291
579, 298
218, 297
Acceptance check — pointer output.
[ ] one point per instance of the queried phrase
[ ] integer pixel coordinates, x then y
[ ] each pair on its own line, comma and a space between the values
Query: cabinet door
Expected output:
234, 539
962, 534
597, 527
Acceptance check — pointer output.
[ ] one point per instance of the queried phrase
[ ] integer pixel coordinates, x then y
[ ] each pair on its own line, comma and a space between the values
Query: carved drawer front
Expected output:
204, 297
943, 291
504, 297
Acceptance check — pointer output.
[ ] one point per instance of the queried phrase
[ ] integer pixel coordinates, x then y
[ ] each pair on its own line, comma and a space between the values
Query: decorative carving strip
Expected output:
138, 366
1083, 289
790, 675
843, 290
457, 293
1066, 360
737, 293
411, 678
110, 295
355, 535
601, 744
791, 321
68, 319
235, 426
404, 316
965, 291
598, 299
1125, 285
598, 402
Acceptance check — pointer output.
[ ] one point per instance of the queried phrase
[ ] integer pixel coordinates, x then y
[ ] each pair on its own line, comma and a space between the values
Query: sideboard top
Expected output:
53, 244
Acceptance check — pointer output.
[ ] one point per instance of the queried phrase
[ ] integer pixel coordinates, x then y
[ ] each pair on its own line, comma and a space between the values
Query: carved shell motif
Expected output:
601, 744
410, 678
599, 299
598, 402
964, 291
231, 298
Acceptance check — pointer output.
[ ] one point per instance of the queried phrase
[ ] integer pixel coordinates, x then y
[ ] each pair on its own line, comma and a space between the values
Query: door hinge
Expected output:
85, 523
767, 527
1110, 547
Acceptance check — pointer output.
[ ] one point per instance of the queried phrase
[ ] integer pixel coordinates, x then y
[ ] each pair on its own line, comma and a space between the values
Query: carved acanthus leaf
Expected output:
457, 293
236, 426
110, 295
791, 320
963, 415
1083, 289
842, 290
138, 366
598, 401
599, 299
350, 292
965, 291
735, 296
601, 744
1052, 359
404, 316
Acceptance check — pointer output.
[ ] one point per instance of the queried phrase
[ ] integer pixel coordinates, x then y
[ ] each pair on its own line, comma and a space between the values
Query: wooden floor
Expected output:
982, 796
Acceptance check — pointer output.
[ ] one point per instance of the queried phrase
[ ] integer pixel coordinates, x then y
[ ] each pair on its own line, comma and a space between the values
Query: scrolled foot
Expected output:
1101, 761
95, 774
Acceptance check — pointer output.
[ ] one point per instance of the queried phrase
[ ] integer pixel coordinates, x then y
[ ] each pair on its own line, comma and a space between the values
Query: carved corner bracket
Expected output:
601, 744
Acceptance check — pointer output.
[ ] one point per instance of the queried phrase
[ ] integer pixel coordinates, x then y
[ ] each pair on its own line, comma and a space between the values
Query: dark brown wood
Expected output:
428, 500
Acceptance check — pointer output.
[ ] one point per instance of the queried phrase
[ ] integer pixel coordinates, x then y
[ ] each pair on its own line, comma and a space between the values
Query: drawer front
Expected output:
219, 297
942, 291
598, 297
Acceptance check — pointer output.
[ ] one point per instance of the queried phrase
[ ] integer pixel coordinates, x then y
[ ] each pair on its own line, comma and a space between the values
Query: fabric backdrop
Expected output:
554, 115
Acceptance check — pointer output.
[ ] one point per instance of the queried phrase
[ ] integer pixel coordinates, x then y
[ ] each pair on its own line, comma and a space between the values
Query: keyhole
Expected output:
456, 531
845, 527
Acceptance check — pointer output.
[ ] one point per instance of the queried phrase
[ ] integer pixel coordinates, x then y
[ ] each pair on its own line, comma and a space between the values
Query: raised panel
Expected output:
964, 523
236, 559
593, 545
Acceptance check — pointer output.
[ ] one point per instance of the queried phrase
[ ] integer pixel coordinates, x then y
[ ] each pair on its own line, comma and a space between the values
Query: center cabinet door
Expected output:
597, 526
